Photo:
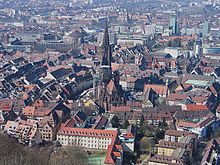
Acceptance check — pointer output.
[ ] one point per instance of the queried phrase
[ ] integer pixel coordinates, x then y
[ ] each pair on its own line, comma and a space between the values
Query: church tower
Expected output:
108, 92
106, 68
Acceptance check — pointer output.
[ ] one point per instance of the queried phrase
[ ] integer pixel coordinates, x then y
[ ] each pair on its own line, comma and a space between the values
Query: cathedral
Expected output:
109, 91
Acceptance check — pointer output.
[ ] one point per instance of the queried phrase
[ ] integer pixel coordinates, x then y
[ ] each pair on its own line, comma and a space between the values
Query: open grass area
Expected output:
97, 158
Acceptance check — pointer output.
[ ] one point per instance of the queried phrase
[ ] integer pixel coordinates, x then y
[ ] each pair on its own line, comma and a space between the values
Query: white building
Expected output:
132, 40
174, 52
87, 138
150, 29
90, 138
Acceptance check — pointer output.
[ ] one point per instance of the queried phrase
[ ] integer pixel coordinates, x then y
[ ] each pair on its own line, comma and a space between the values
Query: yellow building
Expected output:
167, 147
89, 102
165, 151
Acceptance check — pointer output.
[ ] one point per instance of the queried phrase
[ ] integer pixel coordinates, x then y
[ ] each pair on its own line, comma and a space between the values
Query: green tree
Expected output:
140, 125
216, 133
147, 144
115, 122
163, 124
141, 120
159, 134
125, 124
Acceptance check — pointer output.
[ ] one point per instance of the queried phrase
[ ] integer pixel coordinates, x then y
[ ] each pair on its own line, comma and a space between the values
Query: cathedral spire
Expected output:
106, 37
106, 47
106, 58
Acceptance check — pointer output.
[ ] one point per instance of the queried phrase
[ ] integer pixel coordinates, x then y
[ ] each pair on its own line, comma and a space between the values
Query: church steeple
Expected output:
106, 37
106, 47
106, 58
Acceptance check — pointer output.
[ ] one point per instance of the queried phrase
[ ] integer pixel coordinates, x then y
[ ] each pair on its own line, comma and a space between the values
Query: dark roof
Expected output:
39, 63
28, 68
18, 60
81, 115
216, 86
33, 76
59, 73
198, 71
51, 63
172, 86
167, 56
62, 107
64, 57
12, 77
217, 71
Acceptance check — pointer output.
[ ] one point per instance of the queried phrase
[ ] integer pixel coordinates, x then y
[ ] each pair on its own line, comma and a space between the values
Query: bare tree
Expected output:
13, 153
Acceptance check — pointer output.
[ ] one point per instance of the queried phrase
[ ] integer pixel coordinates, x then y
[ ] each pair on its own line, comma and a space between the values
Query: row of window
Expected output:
86, 145
84, 140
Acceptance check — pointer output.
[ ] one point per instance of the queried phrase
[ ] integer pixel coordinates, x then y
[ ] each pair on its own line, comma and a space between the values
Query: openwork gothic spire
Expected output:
107, 54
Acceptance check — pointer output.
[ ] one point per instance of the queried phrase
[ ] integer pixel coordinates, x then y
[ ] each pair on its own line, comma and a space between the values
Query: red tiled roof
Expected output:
120, 109
176, 97
134, 104
199, 99
36, 112
199, 124
128, 79
118, 147
115, 66
110, 86
194, 107
129, 135
71, 122
204, 122
5, 106
109, 158
207, 69
171, 160
159, 89
179, 133
86, 132
170, 144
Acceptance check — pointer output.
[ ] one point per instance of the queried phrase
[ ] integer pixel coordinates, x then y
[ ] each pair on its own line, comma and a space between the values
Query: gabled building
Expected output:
25, 131
161, 90
175, 136
178, 99
200, 122
48, 126
36, 112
